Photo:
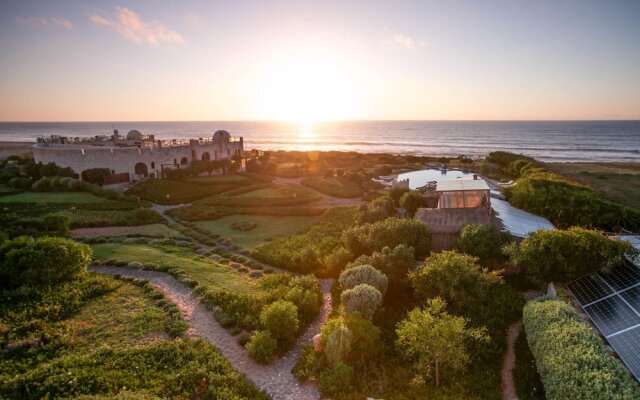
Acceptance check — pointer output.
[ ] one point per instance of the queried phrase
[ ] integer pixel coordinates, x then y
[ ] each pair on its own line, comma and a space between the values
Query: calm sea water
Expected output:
544, 140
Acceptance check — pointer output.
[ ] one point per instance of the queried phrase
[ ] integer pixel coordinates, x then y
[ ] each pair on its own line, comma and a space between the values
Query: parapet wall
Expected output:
139, 162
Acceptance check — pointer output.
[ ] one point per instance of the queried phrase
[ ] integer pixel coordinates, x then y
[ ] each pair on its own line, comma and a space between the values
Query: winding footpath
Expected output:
508, 363
275, 379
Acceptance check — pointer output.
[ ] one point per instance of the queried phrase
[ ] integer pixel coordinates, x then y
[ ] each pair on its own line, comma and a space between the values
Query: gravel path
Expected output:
508, 386
275, 379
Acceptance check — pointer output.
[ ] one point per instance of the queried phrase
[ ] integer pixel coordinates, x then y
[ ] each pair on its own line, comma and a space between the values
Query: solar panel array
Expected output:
612, 301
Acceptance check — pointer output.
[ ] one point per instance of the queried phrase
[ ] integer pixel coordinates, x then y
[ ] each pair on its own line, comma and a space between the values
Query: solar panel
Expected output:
612, 315
626, 345
611, 298
621, 276
632, 296
589, 289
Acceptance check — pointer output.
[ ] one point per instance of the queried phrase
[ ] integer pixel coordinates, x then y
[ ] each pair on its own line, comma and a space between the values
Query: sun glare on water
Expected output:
308, 90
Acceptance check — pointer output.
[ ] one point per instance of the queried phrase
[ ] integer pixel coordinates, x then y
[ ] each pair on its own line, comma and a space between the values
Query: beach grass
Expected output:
619, 182
208, 273
266, 228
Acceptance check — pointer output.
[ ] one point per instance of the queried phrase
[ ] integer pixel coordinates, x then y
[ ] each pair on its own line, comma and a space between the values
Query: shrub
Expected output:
564, 255
362, 298
395, 262
573, 363
411, 201
363, 274
351, 339
396, 193
95, 175
262, 346
390, 232
281, 319
42, 261
485, 242
41, 185
336, 379
20, 183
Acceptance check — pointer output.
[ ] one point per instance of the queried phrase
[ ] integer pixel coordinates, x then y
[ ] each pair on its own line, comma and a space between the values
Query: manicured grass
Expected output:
267, 227
236, 179
333, 186
619, 182
122, 318
156, 230
55, 197
266, 193
165, 191
205, 271
101, 218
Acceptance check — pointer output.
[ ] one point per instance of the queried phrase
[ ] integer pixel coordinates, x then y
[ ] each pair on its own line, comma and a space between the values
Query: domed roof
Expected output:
221, 134
134, 135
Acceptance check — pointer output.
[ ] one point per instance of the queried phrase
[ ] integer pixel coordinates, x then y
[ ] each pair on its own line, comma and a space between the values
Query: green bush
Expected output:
42, 261
395, 262
336, 379
262, 346
362, 298
281, 320
95, 175
573, 363
390, 232
396, 193
352, 277
485, 242
333, 186
525, 376
564, 255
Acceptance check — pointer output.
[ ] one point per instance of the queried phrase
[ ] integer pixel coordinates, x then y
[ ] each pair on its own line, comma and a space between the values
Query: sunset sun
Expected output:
307, 90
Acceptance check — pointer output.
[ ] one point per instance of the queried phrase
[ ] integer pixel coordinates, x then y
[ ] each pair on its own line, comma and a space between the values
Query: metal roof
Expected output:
518, 222
456, 185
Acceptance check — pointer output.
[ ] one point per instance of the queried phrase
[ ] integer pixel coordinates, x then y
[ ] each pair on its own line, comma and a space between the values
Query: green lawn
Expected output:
56, 198
333, 186
267, 227
236, 179
206, 272
619, 182
266, 193
156, 230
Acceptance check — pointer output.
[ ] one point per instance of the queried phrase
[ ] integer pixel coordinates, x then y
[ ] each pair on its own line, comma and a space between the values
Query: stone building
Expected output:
134, 156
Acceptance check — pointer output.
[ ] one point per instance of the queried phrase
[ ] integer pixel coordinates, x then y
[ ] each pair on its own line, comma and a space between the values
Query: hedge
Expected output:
572, 361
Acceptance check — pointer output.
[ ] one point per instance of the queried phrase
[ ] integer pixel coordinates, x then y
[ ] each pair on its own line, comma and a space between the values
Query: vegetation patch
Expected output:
525, 375
572, 361
153, 230
167, 191
334, 186
206, 272
264, 228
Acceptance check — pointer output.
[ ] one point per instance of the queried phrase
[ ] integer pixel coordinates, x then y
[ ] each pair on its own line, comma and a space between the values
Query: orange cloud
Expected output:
42, 21
129, 25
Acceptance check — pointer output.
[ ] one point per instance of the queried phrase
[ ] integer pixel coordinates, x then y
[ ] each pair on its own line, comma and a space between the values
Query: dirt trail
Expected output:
508, 385
275, 379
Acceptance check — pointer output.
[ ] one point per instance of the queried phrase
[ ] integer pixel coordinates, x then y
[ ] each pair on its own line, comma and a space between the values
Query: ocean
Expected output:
544, 140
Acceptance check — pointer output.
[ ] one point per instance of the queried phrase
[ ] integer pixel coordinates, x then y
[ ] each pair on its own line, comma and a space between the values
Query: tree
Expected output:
211, 166
435, 339
455, 277
352, 339
281, 319
362, 298
564, 255
393, 262
225, 164
396, 193
485, 242
411, 201
354, 276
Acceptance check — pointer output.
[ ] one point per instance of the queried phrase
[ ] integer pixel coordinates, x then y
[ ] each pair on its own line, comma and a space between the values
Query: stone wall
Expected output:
134, 160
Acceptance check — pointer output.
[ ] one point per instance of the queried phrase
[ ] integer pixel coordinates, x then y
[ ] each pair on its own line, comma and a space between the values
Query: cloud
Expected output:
194, 19
42, 21
404, 41
129, 25
62, 22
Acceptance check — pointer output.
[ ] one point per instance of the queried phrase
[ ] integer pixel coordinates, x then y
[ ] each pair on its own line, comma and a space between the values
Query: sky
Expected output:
154, 60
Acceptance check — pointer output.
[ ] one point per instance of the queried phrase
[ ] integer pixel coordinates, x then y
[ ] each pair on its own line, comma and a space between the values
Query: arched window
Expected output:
153, 165
205, 156
184, 161
141, 169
